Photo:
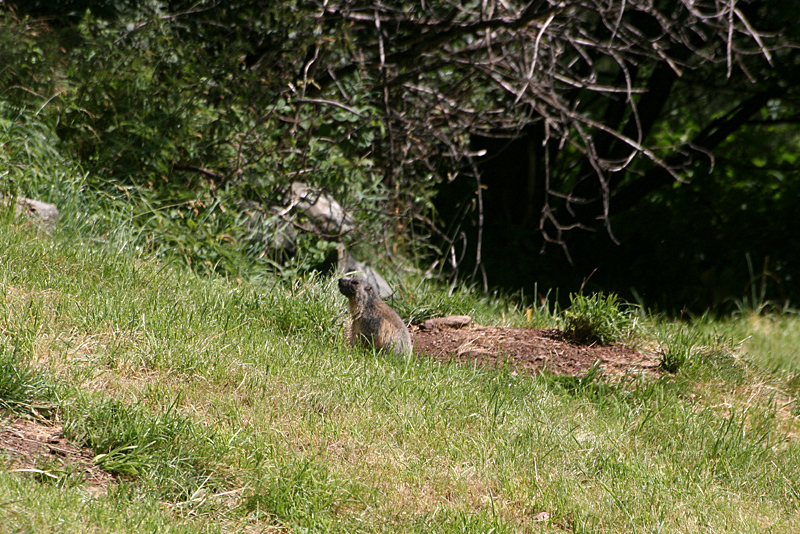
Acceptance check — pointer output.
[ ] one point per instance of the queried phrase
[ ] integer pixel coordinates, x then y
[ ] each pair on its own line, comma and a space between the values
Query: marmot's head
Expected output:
354, 289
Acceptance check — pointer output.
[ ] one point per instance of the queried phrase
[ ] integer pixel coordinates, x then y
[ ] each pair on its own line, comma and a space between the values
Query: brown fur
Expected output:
374, 323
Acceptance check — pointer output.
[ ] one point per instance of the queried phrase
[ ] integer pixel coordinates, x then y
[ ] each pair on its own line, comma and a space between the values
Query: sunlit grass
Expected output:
31, 506
225, 406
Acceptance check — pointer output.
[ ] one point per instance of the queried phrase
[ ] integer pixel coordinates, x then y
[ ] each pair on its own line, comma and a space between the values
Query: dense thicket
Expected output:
509, 142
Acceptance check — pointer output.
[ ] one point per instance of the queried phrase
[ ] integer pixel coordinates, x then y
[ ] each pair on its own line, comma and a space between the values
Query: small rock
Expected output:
325, 213
541, 516
42, 214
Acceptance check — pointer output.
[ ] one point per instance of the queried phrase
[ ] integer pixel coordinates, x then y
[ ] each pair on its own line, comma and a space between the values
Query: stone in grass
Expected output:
324, 212
41, 214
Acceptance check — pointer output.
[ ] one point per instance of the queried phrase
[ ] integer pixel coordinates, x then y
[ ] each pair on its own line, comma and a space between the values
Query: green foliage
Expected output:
755, 302
29, 59
592, 385
676, 347
722, 239
181, 124
599, 318
698, 349
235, 405
32, 506
29, 158
176, 138
423, 299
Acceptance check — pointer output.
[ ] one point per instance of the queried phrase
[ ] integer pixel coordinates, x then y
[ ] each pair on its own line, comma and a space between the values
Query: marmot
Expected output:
374, 323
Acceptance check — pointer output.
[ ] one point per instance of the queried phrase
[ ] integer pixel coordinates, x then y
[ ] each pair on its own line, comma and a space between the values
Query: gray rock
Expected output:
42, 214
327, 215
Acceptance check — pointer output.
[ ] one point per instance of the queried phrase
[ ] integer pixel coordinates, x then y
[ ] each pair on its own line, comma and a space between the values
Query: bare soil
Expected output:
40, 449
528, 351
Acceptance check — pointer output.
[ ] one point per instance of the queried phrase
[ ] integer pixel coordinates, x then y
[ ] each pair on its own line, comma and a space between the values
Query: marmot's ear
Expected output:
368, 287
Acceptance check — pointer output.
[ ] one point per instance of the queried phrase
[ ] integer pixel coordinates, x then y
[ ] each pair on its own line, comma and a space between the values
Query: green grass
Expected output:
599, 319
30, 506
228, 406
21, 385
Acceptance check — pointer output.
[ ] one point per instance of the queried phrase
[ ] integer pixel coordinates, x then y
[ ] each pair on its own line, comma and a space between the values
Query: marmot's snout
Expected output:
347, 287
350, 288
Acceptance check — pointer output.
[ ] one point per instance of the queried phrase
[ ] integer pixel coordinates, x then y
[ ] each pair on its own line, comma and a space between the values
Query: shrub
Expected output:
600, 319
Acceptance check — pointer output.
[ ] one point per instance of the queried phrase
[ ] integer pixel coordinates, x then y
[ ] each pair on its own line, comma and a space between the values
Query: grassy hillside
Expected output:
227, 406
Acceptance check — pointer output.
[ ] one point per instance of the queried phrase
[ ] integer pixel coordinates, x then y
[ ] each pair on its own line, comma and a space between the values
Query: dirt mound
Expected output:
42, 450
528, 350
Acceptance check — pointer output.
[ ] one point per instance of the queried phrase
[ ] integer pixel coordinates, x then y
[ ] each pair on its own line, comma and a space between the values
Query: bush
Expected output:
600, 319
173, 140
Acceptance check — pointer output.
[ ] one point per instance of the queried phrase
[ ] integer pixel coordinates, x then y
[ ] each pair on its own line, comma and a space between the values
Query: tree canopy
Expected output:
650, 140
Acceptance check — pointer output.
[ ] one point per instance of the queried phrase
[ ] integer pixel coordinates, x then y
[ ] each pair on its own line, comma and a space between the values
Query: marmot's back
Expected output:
374, 323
